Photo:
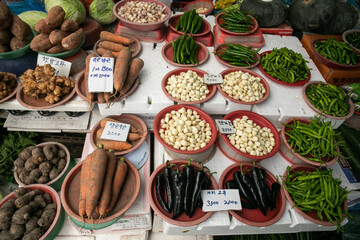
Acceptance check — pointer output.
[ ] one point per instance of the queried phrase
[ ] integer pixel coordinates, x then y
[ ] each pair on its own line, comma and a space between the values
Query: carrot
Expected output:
114, 145
95, 181
105, 120
119, 177
133, 136
83, 185
135, 67
108, 36
111, 46
90, 96
100, 97
101, 51
99, 133
121, 69
106, 193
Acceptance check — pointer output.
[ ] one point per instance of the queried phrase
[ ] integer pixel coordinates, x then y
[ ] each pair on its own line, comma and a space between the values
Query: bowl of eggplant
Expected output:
174, 192
262, 198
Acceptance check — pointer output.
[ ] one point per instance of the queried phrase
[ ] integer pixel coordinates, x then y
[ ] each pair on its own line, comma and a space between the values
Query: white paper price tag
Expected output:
213, 79
115, 131
220, 200
225, 126
62, 68
101, 76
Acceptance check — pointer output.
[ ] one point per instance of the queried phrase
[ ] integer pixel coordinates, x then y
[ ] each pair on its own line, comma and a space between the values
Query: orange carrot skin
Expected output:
96, 179
108, 36
111, 46
136, 66
83, 184
133, 136
121, 68
100, 97
106, 193
119, 177
99, 133
114, 145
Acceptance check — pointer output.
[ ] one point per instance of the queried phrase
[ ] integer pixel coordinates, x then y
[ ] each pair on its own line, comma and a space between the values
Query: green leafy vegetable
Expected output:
102, 11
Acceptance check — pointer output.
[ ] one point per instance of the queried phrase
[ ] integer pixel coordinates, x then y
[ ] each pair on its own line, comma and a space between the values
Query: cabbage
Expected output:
31, 17
73, 9
102, 11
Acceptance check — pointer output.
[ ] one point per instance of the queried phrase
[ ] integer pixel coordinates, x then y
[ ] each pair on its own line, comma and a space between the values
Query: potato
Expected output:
19, 28
69, 25
42, 27
26, 153
5, 37
55, 16
16, 43
41, 43
73, 40
57, 35
5, 16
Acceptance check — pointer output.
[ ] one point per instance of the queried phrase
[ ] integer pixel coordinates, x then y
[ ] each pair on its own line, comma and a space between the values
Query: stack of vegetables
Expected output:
285, 65
353, 91
253, 189
28, 215
238, 55
185, 50
237, 21
314, 141
182, 188
101, 178
329, 99
317, 191
190, 22
113, 43
336, 51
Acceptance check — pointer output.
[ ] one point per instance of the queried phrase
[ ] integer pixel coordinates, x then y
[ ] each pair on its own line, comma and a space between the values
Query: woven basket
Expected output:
200, 4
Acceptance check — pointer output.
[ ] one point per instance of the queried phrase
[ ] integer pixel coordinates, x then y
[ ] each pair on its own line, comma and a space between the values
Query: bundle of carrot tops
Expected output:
126, 70
179, 190
101, 178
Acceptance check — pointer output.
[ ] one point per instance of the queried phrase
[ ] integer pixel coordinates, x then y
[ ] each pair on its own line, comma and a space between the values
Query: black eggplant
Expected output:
168, 185
205, 186
189, 186
231, 184
259, 183
275, 188
159, 186
245, 193
248, 182
265, 186
178, 179
199, 179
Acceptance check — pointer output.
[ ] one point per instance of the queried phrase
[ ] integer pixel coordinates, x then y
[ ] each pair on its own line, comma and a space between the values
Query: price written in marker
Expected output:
225, 126
101, 75
213, 79
115, 131
62, 68
220, 200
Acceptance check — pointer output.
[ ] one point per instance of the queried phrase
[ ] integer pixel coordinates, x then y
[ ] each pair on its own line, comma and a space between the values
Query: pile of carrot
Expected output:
101, 178
126, 70
113, 43
134, 135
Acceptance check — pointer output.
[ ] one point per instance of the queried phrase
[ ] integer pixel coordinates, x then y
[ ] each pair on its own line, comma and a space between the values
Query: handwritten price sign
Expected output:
62, 68
225, 126
101, 76
213, 79
220, 200
116, 131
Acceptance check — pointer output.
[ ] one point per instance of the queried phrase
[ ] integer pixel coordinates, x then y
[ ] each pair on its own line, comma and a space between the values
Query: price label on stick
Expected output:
213, 79
220, 200
225, 126
62, 68
101, 76
116, 131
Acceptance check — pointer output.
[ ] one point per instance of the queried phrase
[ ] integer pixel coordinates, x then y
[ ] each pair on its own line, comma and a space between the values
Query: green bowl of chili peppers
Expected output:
328, 100
316, 195
335, 53
285, 66
309, 141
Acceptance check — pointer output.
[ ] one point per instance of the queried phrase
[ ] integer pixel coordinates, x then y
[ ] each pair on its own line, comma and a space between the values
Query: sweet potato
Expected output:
26, 153
42, 27
17, 230
22, 215
57, 35
73, 40
37, 155
69, 25
55, 16
20, 191
34, 234
5, 37
19, 28
41, 43
17, 43
56, 49
31, 224
5, 16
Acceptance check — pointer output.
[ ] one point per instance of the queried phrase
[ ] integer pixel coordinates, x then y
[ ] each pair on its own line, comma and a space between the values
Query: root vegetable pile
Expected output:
142, 12
134, 136
40, 164
56, 34
7, 85
27, 216
113, 43
101, 179
13, 31
42, 83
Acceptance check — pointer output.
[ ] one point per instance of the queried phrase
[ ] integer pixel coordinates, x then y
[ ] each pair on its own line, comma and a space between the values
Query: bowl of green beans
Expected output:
328, 100
309, 141
285, 66
352, 37
315, 194
335, 53
233, 54
236, 22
